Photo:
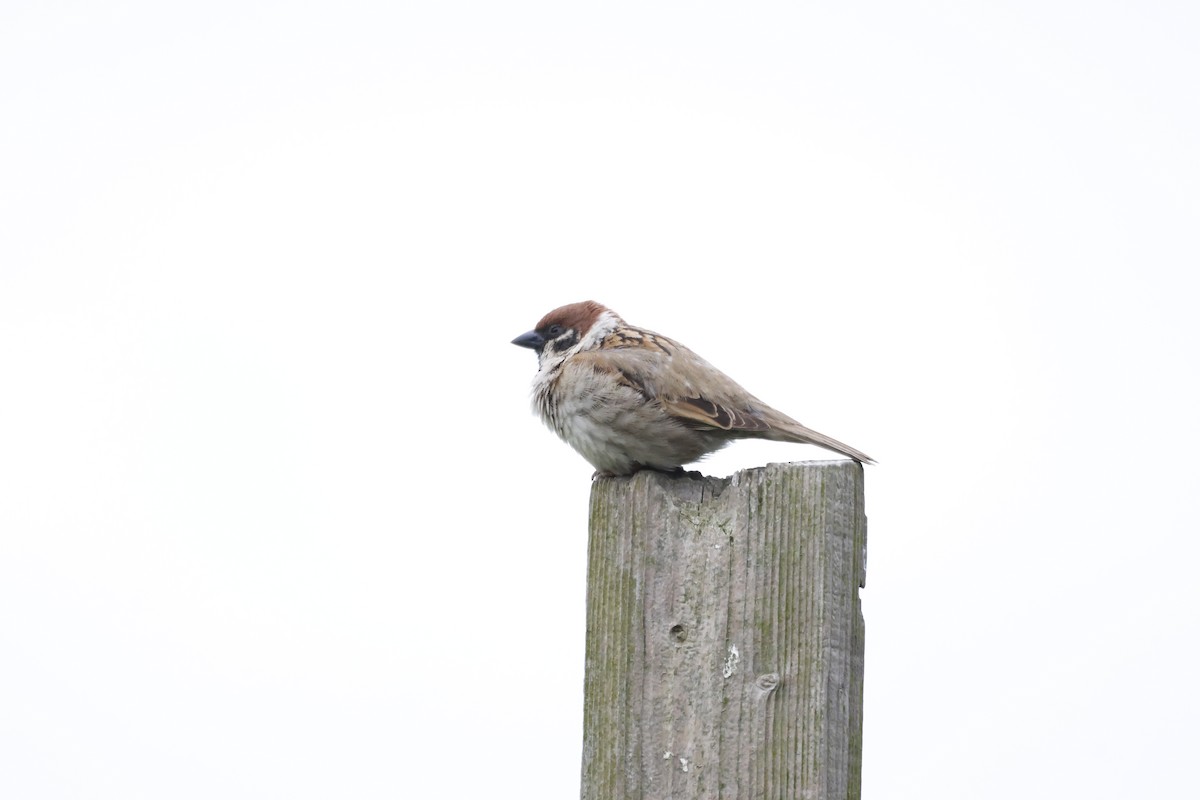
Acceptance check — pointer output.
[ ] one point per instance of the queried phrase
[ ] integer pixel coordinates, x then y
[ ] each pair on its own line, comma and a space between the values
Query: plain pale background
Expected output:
275, 517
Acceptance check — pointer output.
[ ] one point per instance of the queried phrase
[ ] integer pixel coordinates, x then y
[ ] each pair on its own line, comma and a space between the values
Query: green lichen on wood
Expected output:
755, 561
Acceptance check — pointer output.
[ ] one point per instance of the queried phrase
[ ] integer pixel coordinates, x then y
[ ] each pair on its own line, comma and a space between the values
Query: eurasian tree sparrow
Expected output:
628, 399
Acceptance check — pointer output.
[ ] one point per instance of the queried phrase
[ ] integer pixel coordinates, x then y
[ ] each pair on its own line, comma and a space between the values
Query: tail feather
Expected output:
795, 432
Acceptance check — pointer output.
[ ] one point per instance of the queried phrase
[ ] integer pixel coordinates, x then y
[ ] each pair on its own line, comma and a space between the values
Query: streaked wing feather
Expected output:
662, 370
648, 363
699, 409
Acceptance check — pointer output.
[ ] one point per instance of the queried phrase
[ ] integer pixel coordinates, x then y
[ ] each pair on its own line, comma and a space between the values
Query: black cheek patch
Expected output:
565, 342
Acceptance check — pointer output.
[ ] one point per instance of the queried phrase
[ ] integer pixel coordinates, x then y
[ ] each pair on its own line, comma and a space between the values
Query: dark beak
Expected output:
533, 340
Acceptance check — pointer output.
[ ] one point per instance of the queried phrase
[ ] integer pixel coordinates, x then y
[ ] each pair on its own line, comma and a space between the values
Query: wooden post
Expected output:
725, 636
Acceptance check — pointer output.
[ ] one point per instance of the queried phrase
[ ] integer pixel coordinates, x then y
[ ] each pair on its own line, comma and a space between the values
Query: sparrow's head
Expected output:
578, 326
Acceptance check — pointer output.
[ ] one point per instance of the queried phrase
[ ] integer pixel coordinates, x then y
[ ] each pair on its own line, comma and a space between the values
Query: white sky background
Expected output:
276, 520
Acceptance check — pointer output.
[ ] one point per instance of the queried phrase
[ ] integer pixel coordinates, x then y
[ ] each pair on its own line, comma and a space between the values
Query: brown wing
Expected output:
665, 371
698, 409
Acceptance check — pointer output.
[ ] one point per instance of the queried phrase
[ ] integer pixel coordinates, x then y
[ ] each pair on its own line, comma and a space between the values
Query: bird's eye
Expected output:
555, 330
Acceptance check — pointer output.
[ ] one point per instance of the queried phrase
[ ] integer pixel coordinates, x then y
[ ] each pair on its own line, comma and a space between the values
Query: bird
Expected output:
629, 399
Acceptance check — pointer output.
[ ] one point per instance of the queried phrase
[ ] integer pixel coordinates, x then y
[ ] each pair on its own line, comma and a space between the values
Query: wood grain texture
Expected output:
725, 635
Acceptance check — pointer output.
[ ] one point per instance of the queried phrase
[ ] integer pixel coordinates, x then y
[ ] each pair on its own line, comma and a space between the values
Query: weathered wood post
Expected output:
725, 635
